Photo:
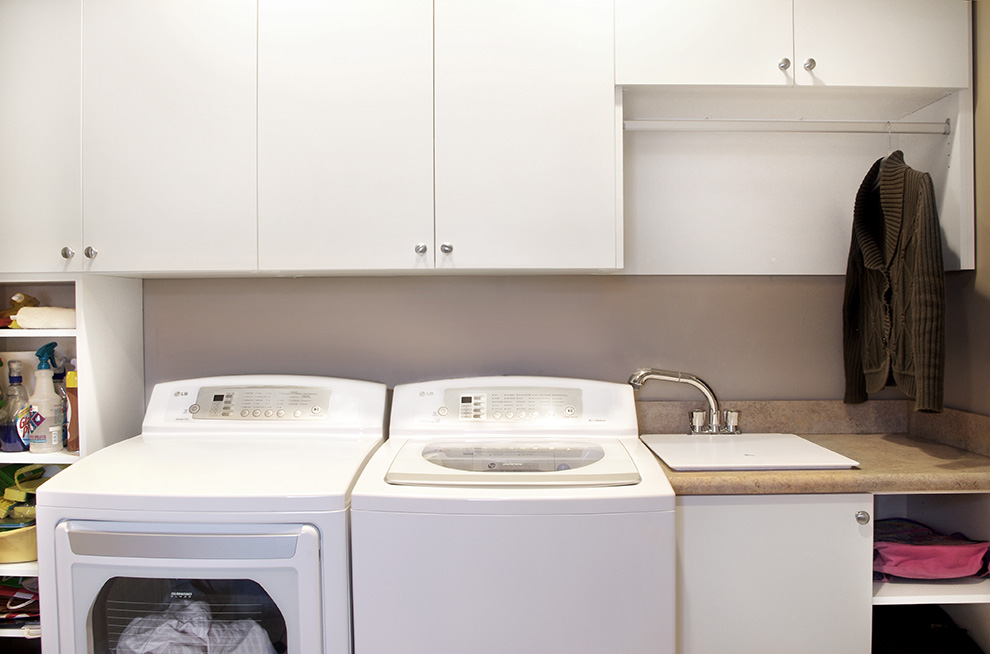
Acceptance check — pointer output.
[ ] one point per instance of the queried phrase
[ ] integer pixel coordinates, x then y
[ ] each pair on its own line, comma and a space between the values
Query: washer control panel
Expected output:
509, 404
260, 403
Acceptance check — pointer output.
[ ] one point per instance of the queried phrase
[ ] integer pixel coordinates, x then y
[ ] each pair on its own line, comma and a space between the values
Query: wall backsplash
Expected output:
754, 338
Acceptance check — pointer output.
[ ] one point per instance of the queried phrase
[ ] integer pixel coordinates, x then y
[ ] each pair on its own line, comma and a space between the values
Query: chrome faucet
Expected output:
714, 418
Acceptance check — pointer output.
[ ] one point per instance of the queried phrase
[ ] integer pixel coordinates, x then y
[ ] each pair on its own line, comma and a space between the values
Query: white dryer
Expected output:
225, 522
513, 514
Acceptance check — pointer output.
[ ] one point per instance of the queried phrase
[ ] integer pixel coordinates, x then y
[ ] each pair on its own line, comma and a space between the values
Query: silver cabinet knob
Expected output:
862, 517
784, 63
810, 64
421, 249
67, 252
446, 248
90, 252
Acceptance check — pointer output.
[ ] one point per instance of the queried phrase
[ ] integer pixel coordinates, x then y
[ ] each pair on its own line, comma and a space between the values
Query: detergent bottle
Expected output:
16, 430
46, 405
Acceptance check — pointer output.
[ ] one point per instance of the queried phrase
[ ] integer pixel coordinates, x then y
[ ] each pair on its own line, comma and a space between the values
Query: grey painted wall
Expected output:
749, 337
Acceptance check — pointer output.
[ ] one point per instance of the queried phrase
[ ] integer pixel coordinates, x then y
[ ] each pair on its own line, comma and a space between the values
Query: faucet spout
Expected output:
644, 375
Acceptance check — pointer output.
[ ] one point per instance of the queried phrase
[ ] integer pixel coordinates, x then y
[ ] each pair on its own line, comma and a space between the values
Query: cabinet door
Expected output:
910, 43
169, 135
703, 42
39, 135
525, 134
345, 124
774, 573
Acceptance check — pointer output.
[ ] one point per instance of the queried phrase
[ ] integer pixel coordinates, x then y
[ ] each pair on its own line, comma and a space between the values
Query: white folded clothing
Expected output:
46, 318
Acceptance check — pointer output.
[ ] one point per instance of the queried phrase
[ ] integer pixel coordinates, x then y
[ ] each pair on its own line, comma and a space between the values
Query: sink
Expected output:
743, 452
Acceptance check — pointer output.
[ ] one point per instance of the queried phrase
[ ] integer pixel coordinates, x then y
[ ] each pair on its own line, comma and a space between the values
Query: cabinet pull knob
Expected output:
810, 64
784, 63
67, 252
421, 249
863, 517
446, 248
90, 252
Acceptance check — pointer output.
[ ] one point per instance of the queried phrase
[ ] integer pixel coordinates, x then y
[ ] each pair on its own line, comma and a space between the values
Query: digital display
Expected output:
465, 399
218, 398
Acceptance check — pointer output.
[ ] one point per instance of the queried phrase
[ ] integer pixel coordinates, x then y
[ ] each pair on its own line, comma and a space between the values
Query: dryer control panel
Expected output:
510, 404
259, 403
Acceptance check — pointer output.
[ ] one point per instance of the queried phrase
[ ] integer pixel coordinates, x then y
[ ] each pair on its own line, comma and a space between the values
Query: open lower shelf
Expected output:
948, 591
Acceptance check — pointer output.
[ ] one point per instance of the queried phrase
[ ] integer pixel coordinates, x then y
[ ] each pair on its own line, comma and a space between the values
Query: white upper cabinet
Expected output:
525, 135
345, 135
39, 136
908, 43
703, 42
877, 43
169, 135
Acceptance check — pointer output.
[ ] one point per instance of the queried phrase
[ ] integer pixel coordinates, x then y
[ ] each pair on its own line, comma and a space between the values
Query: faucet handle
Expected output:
699, 418
732, 422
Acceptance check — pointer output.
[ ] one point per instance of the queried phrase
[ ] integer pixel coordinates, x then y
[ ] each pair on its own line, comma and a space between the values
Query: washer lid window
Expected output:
517, 462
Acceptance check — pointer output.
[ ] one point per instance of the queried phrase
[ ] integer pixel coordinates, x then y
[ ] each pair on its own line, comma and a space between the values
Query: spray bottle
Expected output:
46, 405
16, 431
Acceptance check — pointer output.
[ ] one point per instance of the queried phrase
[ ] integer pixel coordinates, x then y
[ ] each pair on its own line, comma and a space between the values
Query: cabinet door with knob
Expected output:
39, 136
703, 42
525, 135
345, 135
900, 43
169, 136
774, 573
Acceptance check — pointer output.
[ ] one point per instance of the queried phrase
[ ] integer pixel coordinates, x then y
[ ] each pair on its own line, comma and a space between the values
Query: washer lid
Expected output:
516, 462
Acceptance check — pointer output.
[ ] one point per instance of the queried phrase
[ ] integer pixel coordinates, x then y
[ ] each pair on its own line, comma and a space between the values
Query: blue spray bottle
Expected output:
46, 405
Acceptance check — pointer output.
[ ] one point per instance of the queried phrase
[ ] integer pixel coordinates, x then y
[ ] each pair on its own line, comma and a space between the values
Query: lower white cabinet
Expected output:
774, 573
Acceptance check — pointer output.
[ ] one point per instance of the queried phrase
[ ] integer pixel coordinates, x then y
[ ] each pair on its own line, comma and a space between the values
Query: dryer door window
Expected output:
217, 588
134, 615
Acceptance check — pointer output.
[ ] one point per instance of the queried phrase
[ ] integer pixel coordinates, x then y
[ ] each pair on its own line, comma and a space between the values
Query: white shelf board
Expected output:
27, 569
945, 591
37, 333
25, 631
27, 458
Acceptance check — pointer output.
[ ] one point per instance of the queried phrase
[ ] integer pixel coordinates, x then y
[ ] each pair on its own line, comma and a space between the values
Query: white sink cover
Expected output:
743, 452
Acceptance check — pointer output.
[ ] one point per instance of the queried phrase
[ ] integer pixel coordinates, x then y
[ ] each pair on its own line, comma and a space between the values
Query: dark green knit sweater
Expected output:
894, 307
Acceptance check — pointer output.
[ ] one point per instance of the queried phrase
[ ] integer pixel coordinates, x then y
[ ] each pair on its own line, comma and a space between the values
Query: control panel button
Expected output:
194, 409
443, 411
569, 411
245, 413
269, 413
280, 413
317, 409
256, 413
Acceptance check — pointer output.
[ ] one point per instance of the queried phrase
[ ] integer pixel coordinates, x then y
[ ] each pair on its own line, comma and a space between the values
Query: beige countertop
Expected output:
889, 463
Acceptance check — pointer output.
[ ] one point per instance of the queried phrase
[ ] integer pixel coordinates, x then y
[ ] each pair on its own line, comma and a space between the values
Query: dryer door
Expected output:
123, 587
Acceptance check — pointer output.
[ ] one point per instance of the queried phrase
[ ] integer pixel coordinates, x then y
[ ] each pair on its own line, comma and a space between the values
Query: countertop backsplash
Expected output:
968, 431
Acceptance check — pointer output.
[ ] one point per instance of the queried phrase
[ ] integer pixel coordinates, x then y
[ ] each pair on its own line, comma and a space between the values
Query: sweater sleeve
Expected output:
928, 298
852, 343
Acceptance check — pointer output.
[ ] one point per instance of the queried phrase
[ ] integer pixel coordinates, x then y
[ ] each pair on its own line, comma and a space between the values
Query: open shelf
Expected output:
970, 590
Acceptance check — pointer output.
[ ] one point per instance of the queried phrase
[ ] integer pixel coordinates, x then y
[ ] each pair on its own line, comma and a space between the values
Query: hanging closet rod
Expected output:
759, 125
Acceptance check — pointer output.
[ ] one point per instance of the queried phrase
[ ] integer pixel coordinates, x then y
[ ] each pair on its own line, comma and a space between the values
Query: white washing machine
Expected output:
513, 514
223, 527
